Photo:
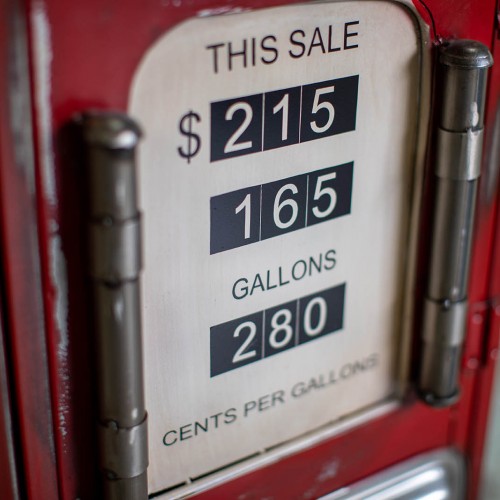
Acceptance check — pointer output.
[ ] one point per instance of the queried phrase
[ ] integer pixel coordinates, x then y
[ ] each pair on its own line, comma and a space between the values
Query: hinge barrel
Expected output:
115, 265
463, 67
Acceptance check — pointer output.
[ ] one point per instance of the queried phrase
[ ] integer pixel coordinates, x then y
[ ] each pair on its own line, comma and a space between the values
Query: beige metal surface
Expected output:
206, 409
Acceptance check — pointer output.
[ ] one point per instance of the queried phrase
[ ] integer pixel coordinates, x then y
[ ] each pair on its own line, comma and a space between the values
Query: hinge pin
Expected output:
462, 72
115, 265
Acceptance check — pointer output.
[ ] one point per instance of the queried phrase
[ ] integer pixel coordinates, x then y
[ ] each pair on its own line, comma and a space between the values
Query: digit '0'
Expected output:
310, 330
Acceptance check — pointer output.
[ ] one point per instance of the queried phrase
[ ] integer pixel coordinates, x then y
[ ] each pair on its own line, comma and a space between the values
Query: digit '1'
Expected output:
234, 219
281, 118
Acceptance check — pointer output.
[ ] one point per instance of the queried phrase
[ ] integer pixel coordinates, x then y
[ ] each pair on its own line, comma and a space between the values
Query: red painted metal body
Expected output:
83, 55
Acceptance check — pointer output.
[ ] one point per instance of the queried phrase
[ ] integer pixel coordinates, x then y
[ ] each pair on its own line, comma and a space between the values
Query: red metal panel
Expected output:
481, 356
481, 401
460, 19
84, 55
9, 483
20, 265
348, 458
463, 414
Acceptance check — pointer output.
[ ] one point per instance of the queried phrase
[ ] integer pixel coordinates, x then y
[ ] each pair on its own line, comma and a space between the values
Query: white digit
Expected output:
231, 145
245, 205
283, 105
329, 191
282, 326
241, 355
317, 106
290, 203
310, 330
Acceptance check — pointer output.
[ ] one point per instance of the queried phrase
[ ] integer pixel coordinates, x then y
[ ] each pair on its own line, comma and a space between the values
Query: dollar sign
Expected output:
186, 128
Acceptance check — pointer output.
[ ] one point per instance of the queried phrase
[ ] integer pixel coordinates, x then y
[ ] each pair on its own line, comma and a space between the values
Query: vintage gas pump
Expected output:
249, 249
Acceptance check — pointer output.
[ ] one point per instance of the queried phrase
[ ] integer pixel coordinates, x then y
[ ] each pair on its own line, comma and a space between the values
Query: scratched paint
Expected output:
42, 62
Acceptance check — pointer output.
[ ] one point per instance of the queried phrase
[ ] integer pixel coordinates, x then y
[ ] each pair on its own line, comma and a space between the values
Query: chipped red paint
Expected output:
413, 429
20, 286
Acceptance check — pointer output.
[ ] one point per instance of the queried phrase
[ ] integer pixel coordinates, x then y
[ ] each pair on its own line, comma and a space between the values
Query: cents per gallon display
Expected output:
283, 117
257, 336
260, 212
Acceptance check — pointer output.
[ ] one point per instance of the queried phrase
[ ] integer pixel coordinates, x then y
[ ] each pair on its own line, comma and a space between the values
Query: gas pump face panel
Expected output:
276, 183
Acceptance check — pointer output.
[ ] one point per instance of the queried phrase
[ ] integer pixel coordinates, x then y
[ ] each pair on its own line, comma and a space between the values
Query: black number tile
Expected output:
321, 313
236, 127
280, 328
330, 193
235, 343
283, 206
279, 105
334, 98
227, 228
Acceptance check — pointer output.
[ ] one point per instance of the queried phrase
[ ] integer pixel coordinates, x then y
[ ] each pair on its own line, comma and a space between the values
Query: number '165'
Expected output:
286, 208
256, 213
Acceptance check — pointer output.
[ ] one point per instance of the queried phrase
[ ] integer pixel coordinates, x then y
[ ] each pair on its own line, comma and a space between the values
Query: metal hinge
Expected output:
115, 265
462, 75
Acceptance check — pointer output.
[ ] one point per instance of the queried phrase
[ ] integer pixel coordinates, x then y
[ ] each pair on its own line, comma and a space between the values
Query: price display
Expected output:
260, 212
276, 177
283, 117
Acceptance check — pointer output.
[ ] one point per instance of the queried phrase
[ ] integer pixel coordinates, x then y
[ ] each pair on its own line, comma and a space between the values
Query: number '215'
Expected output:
234, 144
283, 117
